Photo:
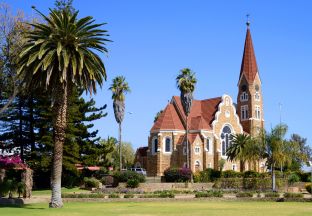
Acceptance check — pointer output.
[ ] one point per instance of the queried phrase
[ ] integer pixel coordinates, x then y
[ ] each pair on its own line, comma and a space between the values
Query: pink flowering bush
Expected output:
11, 162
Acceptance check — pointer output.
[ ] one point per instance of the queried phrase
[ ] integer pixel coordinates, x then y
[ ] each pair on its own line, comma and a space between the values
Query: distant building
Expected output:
140, 159
211, 122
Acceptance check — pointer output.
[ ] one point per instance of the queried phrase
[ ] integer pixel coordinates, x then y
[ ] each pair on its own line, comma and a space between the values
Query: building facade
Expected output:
210, 124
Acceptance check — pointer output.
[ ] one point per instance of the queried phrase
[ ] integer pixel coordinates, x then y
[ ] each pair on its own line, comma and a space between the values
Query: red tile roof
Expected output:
200, 118
249, 64
168, 120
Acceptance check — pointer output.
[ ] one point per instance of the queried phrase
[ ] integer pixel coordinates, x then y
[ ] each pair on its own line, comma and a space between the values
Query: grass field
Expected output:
64, 190
181, 208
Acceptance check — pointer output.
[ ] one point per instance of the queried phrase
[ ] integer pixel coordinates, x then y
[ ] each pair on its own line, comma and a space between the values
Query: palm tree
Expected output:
186, 82
238, 147
59, 54
119, 88
274, 150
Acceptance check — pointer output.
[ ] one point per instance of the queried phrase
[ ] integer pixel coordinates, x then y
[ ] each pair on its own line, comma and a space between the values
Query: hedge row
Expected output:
248, 183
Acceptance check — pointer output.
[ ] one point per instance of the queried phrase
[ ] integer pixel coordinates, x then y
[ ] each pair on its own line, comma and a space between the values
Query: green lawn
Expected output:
181, 208
64, 190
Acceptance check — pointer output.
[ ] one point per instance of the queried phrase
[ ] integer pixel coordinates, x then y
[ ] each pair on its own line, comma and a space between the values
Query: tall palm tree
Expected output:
59, 54
273, 149
119, 88
186, 82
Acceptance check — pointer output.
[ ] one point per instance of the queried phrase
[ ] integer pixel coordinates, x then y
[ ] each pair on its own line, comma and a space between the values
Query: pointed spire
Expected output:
249, 64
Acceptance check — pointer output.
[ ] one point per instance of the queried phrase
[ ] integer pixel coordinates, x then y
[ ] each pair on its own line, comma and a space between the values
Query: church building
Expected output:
210, 124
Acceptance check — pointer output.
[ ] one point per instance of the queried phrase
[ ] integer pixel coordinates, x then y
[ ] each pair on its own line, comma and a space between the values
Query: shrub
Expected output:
126, 175
244, 194
149, 196
166, 194
177, 175
113, 195
207, 175
211, 193
133, 183
309, 187
251, 174
4, 188
91, 182
129, 196
271, 195
96, 195
229, 183
107, 180
293, 178
21, 188
293, 195
230, 174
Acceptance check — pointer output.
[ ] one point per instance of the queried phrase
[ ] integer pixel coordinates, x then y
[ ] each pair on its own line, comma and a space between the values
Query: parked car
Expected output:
139, 170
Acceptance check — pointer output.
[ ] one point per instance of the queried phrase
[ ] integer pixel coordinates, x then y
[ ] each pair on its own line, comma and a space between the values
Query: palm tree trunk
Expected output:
59, 126
187, 146
273, 178
120, 147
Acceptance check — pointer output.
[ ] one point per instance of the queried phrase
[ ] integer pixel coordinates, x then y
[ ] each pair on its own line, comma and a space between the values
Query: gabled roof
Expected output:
200, 118
191, 138
249, 66
168, 120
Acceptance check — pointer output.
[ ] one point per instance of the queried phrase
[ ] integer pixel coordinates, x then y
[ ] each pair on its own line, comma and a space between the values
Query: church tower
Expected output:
249, 98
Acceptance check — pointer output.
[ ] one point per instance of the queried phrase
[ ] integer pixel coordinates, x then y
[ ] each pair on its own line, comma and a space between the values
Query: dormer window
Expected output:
244, 96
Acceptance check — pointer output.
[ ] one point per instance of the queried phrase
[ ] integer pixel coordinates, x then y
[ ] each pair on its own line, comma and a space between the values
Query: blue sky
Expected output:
153, 40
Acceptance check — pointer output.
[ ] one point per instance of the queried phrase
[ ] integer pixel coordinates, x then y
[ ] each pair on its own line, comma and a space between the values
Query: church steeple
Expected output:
249, 66
249, 98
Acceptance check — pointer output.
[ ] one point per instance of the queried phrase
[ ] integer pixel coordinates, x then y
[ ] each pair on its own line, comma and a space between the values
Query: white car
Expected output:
139, 170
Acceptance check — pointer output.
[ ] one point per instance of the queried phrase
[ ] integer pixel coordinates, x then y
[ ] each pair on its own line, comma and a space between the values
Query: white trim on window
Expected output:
165, 145
234, 167
197, 150
244, 96
153, 145
244, 113
209, 165
257, 96
257, 112
197, 164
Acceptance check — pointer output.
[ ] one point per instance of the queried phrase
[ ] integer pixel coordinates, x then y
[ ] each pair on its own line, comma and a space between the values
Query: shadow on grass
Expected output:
23, 206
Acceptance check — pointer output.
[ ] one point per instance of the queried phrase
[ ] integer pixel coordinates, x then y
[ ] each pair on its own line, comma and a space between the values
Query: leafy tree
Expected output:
59, 54
11, 40
275, 149
157, 115
127, 156
305, 152
119, 88
186, 82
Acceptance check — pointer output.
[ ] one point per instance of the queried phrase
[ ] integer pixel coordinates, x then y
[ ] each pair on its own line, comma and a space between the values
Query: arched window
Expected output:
225, 139
168, 145
154, 145
244, 96
197, 165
